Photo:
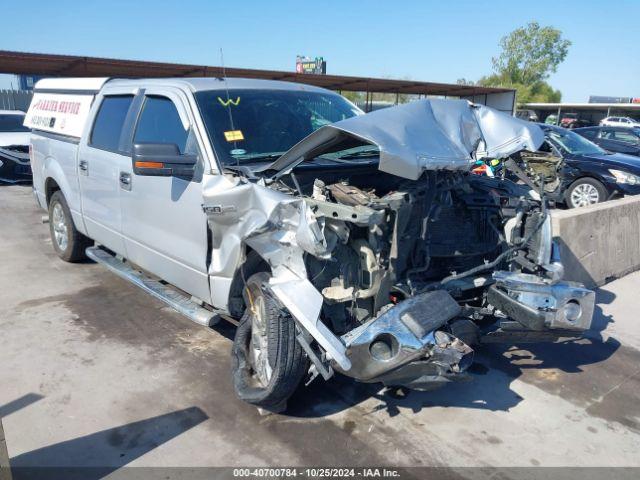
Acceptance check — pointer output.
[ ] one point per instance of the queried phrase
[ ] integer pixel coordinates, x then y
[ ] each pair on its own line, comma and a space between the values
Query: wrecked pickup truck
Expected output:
335, 240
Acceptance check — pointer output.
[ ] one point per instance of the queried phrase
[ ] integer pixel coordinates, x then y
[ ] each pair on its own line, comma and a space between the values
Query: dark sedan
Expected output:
614, 139
578, 172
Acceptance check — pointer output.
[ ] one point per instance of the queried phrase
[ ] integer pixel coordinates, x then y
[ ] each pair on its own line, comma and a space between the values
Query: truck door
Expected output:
102, 154
165, 228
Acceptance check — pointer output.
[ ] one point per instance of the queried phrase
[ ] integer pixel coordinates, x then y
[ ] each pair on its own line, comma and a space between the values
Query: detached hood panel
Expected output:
422, 135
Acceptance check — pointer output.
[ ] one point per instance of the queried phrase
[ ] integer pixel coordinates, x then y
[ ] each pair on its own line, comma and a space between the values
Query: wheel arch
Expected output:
56, 179
252, 263
50, 187
593, 176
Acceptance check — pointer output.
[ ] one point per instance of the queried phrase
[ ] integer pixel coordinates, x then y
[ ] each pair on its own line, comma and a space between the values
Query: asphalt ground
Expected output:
95, 373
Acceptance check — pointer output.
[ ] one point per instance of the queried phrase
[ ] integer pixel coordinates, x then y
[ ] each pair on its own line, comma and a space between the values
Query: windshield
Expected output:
251, 125
12, 123
573, 143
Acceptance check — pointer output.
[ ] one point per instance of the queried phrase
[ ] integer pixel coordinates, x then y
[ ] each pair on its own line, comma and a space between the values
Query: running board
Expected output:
176, 300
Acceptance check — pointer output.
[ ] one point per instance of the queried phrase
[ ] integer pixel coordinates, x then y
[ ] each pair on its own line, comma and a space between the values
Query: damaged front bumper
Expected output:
404, 345
408, 344
538, 305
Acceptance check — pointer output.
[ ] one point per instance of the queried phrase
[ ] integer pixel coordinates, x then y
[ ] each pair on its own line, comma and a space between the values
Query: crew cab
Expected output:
335, 240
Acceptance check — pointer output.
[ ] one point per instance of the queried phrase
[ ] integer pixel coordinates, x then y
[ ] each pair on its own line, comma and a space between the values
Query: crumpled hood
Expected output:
422, 135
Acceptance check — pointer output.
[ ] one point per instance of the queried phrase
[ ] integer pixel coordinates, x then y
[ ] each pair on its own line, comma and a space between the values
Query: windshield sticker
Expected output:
226, 103
238, 151
233, 135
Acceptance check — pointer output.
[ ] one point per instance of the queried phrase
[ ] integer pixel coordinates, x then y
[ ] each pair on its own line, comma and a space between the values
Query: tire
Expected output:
67, 241
267, 377
584, 192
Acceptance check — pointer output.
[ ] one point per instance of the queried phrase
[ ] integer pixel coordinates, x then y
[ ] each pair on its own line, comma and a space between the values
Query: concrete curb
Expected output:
5, 468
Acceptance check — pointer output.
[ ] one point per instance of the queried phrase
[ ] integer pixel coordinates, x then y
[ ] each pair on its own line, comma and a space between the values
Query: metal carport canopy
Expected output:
77, 66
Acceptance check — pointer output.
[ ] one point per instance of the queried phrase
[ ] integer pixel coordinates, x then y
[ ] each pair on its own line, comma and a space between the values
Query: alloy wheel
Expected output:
59, 223
584, 194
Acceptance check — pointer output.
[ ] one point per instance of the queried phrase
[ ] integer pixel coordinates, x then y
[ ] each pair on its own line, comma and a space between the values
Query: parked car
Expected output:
613, 139
14, 147
528, 115
578, 172
572, 120
620, 122
551, 119
337, 241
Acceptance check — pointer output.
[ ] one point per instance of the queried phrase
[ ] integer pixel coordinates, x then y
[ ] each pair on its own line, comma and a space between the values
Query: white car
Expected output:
619, 122
14, 147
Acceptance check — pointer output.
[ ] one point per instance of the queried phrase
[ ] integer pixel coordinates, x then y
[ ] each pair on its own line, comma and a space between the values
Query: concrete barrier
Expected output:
599, 243
5, 469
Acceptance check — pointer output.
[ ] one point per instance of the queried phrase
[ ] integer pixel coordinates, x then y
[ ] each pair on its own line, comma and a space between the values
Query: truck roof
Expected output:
212, 83
194, 84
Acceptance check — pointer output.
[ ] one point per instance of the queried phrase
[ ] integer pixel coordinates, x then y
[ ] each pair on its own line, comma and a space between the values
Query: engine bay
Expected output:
392, 239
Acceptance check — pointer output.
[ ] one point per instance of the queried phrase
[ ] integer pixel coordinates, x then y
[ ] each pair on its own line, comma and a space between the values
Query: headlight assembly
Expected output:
625, 177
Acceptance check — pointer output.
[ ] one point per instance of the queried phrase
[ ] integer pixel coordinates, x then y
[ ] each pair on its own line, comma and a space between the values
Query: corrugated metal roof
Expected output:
583, 106
76, 66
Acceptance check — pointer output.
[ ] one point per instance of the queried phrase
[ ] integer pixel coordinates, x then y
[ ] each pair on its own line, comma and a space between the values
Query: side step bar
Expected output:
176, 300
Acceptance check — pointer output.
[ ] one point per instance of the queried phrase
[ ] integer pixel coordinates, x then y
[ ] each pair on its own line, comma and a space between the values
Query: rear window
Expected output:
12, 123
107, 127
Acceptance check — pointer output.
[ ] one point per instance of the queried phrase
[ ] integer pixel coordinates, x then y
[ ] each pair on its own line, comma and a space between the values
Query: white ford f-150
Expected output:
335, 240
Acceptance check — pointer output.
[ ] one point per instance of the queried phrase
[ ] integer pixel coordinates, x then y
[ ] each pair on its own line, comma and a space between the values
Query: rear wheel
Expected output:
67, 241
268, 362
584, 192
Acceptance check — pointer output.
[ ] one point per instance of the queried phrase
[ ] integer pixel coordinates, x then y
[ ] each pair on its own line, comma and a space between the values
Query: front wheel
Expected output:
67, 241
584, 192
268, 362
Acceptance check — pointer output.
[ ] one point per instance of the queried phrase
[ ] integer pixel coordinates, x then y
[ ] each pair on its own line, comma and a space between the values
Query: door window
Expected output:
626, 137
107, 127
160, 123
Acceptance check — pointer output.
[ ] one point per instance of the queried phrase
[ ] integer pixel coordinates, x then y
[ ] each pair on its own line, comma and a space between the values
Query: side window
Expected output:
626, 137
107, 126
590, 134
160, 123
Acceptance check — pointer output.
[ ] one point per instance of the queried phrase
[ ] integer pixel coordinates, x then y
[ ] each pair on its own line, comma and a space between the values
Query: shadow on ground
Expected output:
19, 404
96, 455
489, 384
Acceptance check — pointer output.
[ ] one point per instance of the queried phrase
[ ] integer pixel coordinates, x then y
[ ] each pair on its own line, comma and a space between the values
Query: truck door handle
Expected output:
83, 166
125, 180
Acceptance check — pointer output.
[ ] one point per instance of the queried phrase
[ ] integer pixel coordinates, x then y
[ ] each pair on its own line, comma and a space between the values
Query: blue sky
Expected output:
423, 40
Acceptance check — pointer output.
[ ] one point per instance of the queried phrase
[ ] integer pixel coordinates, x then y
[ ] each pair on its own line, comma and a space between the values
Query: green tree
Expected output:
537, 92
529, 56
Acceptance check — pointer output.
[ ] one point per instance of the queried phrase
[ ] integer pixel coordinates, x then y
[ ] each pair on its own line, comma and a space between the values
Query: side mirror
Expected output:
162, 160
